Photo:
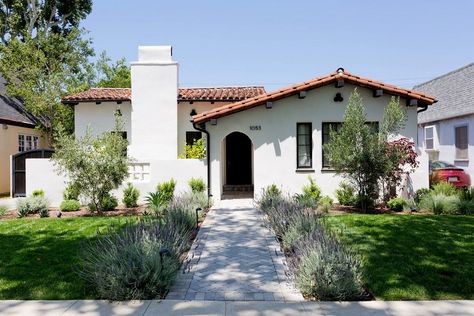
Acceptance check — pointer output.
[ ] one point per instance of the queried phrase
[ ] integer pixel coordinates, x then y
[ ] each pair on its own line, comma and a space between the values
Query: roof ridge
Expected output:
221, 87
444, 75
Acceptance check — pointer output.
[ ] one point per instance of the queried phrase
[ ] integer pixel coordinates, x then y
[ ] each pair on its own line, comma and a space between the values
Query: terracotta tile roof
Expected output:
308, 85
221, 93
184, 94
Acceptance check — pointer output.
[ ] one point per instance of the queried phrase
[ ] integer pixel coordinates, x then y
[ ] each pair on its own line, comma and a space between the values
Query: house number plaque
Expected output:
255, 127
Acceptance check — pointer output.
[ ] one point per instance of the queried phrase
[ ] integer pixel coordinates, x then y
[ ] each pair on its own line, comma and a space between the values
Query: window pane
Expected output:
428, 132
303, 145
429, 144
461, 141
192, 137
21, 143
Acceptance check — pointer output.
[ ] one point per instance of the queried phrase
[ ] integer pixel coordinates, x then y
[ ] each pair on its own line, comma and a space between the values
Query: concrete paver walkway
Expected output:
234, 257
170, 308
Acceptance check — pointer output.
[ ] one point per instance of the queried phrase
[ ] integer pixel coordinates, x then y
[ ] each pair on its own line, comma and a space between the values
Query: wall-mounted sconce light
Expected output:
301, 94
269, 105
338, 97
213, 121
118, 112
98, 102
412, 102
378, 93
193, 112
4, 126
340, 83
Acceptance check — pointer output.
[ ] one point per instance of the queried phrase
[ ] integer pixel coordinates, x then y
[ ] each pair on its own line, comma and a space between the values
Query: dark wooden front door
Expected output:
19, 168
238, 159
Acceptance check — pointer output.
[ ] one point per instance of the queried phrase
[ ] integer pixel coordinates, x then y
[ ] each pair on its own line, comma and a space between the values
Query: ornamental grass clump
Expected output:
139, 262
441, 204
326, 269
300, 227
270, 196
281, 215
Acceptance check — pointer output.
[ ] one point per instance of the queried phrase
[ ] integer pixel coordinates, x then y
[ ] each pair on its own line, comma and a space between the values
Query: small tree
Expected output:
96, 165
358, 153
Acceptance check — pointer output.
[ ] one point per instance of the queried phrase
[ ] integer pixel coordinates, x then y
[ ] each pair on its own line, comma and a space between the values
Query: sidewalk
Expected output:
170, 307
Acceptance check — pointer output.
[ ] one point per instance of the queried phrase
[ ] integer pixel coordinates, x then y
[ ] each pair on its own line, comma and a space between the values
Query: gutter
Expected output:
208, 157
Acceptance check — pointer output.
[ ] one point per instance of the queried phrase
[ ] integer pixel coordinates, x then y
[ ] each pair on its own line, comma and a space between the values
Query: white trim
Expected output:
433, 138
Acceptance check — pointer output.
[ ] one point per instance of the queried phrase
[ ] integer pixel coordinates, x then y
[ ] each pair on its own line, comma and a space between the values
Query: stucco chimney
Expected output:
154, 131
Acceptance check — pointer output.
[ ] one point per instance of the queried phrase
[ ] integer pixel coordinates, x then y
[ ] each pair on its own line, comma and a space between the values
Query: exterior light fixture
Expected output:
4, 126
338, 97
412, 102
340, 83
213, 121
301, 94
378, 93
118, 112
197, 216
163, 252
269, 105
193, 112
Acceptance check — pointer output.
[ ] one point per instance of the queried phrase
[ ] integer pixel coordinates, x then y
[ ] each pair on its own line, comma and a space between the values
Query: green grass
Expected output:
38, 257
414, 257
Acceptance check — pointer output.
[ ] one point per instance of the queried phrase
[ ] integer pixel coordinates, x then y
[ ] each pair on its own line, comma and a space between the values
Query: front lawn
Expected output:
417, 257
38, 256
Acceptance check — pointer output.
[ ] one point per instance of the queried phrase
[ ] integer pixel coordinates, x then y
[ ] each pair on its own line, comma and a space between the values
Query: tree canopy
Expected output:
25, 19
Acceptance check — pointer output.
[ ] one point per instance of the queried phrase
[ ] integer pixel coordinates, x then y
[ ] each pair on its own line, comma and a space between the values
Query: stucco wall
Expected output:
444, 141
100, 117
274, 157
38, 170
9, 146
184, 119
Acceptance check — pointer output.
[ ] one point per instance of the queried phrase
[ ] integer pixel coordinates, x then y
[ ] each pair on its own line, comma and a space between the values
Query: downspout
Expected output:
208, 157
423, 108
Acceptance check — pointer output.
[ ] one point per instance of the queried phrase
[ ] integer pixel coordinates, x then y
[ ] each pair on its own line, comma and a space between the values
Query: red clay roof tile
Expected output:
184, 94
307, 85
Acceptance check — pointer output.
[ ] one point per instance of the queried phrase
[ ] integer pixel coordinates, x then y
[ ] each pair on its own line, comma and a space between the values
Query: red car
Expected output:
441, 170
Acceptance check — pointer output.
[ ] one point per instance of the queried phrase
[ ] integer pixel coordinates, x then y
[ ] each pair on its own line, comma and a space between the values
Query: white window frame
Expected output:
433, 138
455, 147
27, 142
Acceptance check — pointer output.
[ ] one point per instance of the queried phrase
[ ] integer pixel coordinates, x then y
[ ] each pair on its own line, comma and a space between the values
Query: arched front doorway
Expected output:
238, 175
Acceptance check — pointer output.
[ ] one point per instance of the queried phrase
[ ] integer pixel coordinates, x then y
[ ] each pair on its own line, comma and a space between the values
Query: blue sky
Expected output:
277, 43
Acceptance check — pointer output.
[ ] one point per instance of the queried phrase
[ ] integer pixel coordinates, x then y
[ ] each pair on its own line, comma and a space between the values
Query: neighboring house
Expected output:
17, 134
446, 131
254, 138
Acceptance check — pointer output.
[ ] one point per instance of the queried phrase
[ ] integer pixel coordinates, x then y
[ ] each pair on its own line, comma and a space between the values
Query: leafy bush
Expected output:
397, 204
39, 192
466, 207
300, 226
197, 185
325, 204
43, 213
166, 190
444, 188
140, 262
72, 192
3, 210
130, 196
467, 194
440, 203
327, 270
70, 205
197, 150
107, 202
312, 190
96, 164
269, 197
31, 205
346, 194
420, 193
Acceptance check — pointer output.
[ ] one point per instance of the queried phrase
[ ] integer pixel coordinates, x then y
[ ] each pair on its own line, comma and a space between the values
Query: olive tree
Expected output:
358, 152
94, 164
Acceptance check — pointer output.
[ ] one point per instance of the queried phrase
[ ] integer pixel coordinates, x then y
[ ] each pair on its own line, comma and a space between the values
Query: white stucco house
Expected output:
254, 138
447, 129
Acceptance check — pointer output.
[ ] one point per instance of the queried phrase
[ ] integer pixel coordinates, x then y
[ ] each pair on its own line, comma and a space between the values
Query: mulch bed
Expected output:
83, 212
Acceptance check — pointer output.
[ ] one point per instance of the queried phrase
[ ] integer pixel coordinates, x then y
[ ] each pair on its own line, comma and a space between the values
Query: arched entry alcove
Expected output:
238, 165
